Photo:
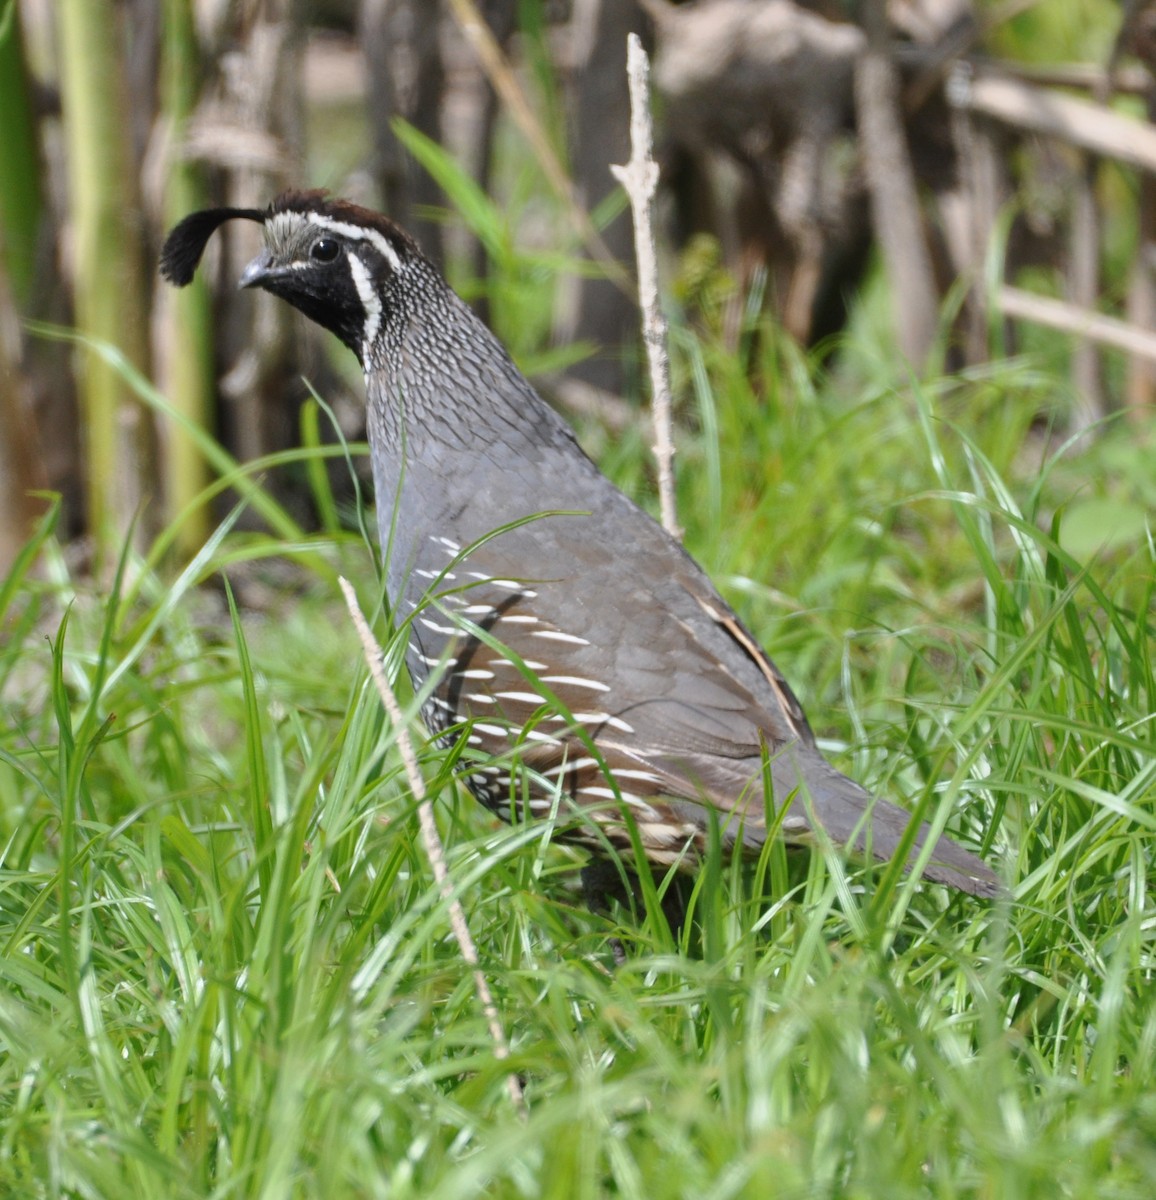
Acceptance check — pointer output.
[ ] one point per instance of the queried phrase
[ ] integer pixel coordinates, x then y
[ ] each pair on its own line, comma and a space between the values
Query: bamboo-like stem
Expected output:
430, 836
107, 267
21, 194
21, 464
184, 350
1082, 285
640, 179
1140, 391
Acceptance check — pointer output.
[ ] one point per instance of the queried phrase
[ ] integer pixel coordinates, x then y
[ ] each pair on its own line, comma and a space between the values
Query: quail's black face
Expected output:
330, 259
334, 271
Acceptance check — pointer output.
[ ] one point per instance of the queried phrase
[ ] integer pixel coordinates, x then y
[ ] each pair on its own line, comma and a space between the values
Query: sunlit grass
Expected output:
227, 971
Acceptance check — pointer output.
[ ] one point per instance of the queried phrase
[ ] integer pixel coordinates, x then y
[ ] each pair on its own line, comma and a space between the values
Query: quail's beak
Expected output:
258, 271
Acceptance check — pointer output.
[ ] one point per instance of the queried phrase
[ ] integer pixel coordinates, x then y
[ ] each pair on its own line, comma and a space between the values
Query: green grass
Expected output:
227, 971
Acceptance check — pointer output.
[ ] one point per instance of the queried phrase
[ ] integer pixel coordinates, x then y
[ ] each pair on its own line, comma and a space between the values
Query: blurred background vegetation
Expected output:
119, 116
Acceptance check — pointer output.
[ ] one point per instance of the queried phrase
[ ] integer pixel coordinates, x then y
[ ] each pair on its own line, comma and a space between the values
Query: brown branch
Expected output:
1079, 322
895, 211
1081, 123
1085, 77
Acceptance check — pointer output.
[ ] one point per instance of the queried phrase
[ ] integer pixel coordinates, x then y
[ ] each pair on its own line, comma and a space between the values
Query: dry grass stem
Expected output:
431, 838
640, 179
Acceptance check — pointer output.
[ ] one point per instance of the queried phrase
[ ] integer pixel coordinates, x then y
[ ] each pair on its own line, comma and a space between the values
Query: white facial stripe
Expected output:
370, 300
357, 233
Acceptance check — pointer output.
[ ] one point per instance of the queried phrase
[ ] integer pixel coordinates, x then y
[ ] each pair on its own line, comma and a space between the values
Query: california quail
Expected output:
546, 610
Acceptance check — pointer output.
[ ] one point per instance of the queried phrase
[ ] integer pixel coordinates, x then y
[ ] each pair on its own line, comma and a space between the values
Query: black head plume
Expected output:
186, 243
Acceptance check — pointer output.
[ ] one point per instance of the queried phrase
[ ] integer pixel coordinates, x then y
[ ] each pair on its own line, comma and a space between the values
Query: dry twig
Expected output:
1080, 123
640, 179
429, 832
1077, 321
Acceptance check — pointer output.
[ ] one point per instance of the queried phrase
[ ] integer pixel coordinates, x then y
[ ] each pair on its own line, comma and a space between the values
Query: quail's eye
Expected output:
324, 250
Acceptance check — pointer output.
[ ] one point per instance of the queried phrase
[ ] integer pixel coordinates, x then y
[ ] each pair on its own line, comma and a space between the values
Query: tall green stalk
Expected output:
21, 204
187, 342
110, 303
21, 190
21, 468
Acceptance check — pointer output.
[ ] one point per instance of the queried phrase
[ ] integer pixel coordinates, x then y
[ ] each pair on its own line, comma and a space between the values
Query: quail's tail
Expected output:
839, 804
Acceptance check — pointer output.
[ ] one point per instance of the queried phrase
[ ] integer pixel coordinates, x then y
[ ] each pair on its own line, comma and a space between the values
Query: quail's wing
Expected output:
685, 709
652, 665
654, 646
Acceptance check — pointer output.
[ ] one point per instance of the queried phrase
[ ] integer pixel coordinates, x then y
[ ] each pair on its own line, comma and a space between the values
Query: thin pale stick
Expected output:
640, 179
433, 843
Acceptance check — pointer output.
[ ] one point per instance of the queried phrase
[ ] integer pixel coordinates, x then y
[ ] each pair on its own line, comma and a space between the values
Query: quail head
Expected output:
580, 650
